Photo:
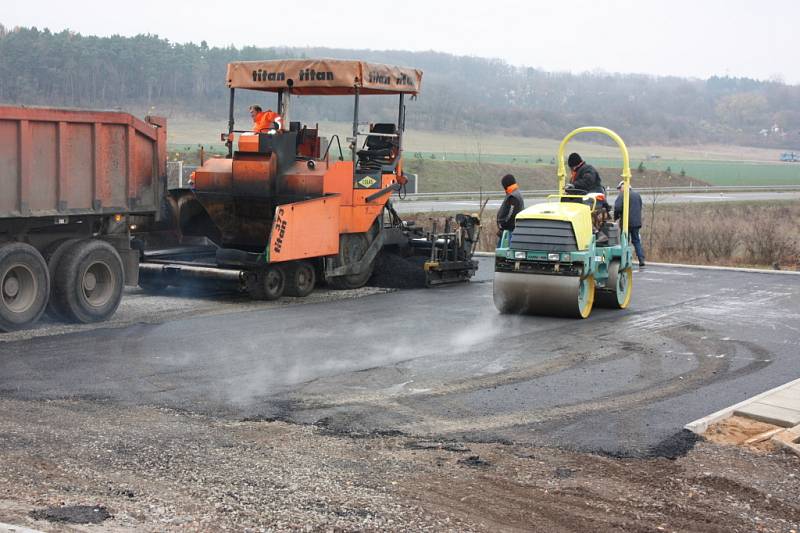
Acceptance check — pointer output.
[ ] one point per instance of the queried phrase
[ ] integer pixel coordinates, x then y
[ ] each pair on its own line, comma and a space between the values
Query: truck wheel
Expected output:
89, 281
24, 286
267, 284
300, 279
53, 256
352, 248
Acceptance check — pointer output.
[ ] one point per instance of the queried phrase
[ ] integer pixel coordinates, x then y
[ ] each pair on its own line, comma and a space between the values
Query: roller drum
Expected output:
617, 293
539, 294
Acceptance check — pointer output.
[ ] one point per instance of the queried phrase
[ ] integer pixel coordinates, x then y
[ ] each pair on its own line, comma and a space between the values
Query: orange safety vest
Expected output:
265, 121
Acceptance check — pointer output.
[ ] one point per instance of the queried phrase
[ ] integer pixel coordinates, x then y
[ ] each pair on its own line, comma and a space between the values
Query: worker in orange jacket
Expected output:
265, 121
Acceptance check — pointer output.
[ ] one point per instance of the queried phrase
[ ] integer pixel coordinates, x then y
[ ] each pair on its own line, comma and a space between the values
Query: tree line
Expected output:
462, 94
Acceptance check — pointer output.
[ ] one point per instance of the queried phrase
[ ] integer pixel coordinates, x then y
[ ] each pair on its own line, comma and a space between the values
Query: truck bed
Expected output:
61, 162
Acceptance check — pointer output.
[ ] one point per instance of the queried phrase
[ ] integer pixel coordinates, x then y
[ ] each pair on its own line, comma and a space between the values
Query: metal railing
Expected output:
641, 190
178, 176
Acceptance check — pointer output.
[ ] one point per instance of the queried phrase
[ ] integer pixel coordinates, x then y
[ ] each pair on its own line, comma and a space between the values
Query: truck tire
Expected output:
267, 284
352, 247
89, 281
300, 278
24, 286
53, 255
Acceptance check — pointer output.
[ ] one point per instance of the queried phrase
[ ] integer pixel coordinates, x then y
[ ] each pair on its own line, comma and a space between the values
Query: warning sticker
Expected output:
367, 182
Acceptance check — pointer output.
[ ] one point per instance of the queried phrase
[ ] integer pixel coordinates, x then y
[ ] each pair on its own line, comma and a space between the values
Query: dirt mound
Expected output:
741, 431
393, 271
676, 445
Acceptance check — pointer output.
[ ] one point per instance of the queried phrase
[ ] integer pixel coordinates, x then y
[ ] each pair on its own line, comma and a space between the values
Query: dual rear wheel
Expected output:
88, 279
79, 280
297, 278
24, 285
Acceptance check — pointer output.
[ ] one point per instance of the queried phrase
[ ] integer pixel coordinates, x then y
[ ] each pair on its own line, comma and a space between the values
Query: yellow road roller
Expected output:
566, 255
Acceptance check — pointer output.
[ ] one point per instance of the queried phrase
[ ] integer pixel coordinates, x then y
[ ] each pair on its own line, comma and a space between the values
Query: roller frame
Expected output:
522, 276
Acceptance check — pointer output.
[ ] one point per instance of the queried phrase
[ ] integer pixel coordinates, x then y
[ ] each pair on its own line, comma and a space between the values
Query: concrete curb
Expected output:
700, 425
729, 268
701, 267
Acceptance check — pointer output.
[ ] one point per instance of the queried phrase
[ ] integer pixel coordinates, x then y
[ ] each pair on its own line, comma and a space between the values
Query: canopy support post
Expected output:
355, 131
230, 124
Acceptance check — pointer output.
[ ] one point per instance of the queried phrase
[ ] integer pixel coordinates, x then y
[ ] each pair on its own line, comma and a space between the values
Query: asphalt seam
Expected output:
729, 268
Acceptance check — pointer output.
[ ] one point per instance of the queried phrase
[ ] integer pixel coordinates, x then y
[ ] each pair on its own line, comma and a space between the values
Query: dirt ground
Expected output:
741, 431
161, 470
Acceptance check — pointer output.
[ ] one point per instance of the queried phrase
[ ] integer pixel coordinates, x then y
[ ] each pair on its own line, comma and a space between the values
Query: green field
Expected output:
447, 176
711, 171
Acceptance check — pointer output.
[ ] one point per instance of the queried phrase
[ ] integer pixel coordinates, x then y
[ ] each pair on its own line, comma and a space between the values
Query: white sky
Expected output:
696, 38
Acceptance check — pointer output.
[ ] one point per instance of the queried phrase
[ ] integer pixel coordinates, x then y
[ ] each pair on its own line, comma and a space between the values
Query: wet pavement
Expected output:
443, 363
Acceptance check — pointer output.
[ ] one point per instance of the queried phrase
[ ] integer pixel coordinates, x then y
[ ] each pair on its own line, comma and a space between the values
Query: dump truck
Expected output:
282, 212
70, 183
85, 209
565, 255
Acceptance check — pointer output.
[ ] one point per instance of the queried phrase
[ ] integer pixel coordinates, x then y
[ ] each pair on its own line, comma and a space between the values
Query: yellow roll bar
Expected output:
626, 167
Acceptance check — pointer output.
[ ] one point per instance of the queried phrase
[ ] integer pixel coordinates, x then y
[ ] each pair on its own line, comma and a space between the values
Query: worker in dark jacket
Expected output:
634, 218
584, 177
511, 206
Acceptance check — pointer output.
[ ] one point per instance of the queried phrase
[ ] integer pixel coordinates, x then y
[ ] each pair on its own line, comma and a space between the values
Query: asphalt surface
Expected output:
442, 362
416, 206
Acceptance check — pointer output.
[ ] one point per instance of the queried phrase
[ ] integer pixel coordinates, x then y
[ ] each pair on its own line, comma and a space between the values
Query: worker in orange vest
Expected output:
265, 121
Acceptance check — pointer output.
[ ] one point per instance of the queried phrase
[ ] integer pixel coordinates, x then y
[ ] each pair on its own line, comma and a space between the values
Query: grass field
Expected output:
710, 171
444, 176
715, 164
751, 234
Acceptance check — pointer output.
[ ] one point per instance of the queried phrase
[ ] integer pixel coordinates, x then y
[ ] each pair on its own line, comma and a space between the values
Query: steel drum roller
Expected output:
550, 295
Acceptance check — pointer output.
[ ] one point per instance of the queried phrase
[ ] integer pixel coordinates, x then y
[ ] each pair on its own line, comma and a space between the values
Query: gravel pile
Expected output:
393, 271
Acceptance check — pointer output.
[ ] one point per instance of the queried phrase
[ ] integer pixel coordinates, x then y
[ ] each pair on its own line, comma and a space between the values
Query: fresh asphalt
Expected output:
442, 363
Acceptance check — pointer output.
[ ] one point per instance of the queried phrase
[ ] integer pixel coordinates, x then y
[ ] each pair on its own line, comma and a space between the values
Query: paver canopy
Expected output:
324, 77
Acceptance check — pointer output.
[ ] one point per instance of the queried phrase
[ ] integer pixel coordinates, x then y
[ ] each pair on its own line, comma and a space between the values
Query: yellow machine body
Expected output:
579, 215
553, 263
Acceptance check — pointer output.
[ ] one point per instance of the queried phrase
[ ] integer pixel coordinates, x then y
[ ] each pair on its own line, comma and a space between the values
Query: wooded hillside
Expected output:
466, 94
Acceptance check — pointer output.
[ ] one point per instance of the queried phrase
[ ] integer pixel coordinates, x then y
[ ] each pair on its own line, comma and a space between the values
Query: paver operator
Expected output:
265, 121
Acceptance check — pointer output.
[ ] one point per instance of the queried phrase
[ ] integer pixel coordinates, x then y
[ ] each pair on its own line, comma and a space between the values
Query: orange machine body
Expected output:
277, 194
295, 214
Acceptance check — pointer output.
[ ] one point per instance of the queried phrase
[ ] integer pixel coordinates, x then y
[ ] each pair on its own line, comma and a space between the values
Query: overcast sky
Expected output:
697, 38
